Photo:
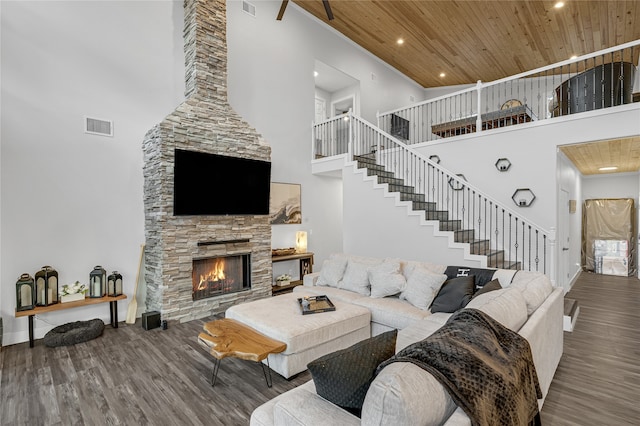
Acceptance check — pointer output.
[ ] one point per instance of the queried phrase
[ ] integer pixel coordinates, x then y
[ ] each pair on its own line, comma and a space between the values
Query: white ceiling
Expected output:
331, 79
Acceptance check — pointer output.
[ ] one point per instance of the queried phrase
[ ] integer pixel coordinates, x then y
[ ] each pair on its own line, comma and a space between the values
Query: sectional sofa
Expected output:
402, 295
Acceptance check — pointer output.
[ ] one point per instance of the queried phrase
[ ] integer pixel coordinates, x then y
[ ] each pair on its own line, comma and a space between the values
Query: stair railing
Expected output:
598, 80
331, 137
509, 240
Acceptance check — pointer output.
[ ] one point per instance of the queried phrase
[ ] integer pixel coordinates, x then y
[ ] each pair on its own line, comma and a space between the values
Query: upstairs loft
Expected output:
598, 81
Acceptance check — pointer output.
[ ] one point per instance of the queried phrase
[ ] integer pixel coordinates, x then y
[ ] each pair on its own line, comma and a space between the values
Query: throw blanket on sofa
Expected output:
487, 369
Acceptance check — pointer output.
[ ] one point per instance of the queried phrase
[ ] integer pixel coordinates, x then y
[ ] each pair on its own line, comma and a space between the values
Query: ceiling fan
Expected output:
327, 8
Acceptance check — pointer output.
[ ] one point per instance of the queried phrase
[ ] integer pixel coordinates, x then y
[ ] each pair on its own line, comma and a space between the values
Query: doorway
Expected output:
343, 105
337, 89
564, 242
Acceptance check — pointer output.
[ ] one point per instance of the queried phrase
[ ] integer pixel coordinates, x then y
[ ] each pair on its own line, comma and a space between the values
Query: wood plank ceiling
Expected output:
589, 157
470, 40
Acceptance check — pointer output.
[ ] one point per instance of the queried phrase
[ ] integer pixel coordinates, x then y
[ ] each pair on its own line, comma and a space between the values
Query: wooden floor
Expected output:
598, 379
130, 376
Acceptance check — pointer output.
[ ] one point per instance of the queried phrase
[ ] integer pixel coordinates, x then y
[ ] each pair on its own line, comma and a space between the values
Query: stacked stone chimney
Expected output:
204, 122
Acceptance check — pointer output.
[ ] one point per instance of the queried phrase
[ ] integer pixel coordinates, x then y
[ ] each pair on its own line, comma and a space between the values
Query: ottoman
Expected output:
308, 337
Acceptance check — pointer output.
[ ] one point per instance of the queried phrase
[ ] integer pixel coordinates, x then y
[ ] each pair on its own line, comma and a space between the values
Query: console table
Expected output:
113, 308
305, 267
490, 120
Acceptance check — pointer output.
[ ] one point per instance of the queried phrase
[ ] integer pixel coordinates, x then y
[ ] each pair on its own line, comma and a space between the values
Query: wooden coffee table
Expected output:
230, 338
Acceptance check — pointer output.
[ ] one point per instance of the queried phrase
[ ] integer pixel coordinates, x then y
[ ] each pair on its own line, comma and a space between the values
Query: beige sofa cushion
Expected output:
417, 331
331, 292
387, 403
306, 408
535, 287
507, 306
391, 311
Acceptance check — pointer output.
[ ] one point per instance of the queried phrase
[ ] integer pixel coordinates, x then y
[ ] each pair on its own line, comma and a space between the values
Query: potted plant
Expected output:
284, 279
73, 292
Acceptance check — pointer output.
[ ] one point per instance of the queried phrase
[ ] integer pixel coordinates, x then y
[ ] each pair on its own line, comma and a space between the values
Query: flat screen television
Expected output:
210, 184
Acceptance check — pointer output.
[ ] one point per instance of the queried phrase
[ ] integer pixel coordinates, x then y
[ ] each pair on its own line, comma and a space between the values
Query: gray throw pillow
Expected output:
343, 377
483, 275
454, 294
490, 286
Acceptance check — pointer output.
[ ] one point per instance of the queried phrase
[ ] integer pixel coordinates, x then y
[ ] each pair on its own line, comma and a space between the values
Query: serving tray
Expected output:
315, 304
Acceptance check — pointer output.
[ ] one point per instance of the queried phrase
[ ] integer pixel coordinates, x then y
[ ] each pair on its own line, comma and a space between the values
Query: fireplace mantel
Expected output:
214, 242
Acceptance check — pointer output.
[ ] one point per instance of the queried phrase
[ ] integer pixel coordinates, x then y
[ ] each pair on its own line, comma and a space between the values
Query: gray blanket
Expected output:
487, 369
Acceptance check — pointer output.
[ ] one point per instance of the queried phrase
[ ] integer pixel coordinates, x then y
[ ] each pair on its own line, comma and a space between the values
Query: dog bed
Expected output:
74, 332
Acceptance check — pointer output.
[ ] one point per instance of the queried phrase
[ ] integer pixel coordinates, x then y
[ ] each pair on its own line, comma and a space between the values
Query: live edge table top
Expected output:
227, 337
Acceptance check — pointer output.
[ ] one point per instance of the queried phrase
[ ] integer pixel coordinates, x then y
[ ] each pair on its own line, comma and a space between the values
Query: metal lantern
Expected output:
114, 284
46, 286
25, 290
97, 282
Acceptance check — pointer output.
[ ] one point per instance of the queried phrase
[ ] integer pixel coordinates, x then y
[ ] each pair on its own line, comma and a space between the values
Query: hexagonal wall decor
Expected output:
454, 184
523, 197
503, 164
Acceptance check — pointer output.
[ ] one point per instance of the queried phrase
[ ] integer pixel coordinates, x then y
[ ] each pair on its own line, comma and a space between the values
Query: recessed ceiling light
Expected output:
558, 5
315, 73
608, 168
442, 75
400, 41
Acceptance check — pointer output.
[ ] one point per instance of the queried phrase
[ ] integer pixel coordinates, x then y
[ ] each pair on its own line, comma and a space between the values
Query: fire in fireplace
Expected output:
213, 276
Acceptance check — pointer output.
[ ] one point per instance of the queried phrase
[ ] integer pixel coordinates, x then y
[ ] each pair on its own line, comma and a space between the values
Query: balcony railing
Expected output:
508, 240
600, 80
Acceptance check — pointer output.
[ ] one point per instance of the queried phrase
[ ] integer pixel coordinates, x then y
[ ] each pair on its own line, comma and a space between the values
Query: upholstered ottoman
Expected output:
308, 337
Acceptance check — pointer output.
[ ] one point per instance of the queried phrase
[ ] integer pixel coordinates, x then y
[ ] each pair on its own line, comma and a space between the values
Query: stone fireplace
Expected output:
213, 276
204, 122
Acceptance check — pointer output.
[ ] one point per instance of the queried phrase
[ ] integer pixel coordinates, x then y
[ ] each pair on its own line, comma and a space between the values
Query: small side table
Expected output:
227, 337
305, 267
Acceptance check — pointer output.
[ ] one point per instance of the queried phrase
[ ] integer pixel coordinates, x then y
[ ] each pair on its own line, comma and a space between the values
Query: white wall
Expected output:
379, 226
531, 148
615, 185
435, 92
271, 85
341, 95
73, 200
69, 199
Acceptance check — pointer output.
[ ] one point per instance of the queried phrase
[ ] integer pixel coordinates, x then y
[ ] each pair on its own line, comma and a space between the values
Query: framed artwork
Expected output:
286, 205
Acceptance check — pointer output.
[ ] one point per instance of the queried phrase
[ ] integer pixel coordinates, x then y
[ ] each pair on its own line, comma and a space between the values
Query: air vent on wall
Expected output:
249, 8
97, 126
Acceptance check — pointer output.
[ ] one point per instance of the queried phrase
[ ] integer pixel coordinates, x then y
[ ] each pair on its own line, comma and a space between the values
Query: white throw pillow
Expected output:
386, 279
507, 306
356, 278
331, 272
409, 266
422, 287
